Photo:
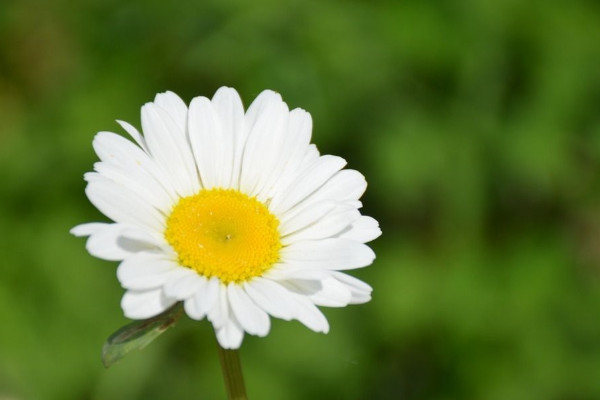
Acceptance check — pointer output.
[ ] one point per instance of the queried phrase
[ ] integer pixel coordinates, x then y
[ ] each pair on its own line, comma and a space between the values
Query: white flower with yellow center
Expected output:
235, 214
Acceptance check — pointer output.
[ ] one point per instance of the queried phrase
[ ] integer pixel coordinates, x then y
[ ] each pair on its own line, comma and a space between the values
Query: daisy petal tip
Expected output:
361, 299
301, 113
166, 94
87, 229
101, 135
144, 304
149, 114
230, 337
270, 92
132, 131
371, 255
131, 314
269, 95
199, 101
226, 91
376, 229
79, 231
171, 103
192, 310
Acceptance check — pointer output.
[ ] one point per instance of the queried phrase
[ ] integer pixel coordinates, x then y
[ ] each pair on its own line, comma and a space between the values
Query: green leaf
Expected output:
138, 334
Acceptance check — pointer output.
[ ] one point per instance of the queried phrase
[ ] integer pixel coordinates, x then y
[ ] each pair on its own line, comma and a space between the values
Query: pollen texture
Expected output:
224, 233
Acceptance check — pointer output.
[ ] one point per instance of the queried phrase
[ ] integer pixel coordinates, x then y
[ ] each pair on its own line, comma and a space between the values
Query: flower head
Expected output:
233, 213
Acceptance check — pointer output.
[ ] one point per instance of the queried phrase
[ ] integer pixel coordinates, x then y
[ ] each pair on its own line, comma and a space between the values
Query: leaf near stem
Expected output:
138, 334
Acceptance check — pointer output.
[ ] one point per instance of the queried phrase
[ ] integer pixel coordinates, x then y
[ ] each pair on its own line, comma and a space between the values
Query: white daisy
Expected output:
235, 214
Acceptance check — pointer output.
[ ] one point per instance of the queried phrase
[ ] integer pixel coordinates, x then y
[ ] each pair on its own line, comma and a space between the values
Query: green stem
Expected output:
232, 374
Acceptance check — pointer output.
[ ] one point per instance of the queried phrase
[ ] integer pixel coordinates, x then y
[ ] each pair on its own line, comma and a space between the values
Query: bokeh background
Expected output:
476, 123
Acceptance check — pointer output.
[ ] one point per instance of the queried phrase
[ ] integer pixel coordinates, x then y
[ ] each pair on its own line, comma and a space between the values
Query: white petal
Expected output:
183, 284
332, 254
88, 228
328, 225
219, 313
191, 308
105, 244
271, 297
209, 143
281, 272
204, 299
105, 241
331, 294
110, 147
136, 239
254, 320
345, 186
135, 134
361, 292
311, 155
363, 230
145, 304
272, 157
293, 150
145, 271
175, 107
138, 181
302, 287
311, 178
170, 149
280, 301
116, 241
262, 102
230, 111
114, 149
360, 298
309, 315
121, 204
266, 134
294, 221
230, 335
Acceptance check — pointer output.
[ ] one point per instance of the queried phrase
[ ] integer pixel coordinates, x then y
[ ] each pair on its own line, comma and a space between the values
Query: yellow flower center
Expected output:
224, 233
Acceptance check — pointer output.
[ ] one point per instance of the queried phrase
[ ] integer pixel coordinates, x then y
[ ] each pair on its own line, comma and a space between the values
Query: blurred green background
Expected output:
476, 123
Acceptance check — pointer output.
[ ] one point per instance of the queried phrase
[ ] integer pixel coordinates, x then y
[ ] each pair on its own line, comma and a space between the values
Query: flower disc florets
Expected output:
225, 234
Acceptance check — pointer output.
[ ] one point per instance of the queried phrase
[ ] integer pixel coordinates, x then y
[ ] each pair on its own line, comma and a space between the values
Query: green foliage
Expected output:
477, 125
138, 334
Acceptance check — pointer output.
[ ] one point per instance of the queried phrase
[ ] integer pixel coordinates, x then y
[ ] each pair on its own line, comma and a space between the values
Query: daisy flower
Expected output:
233, 213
